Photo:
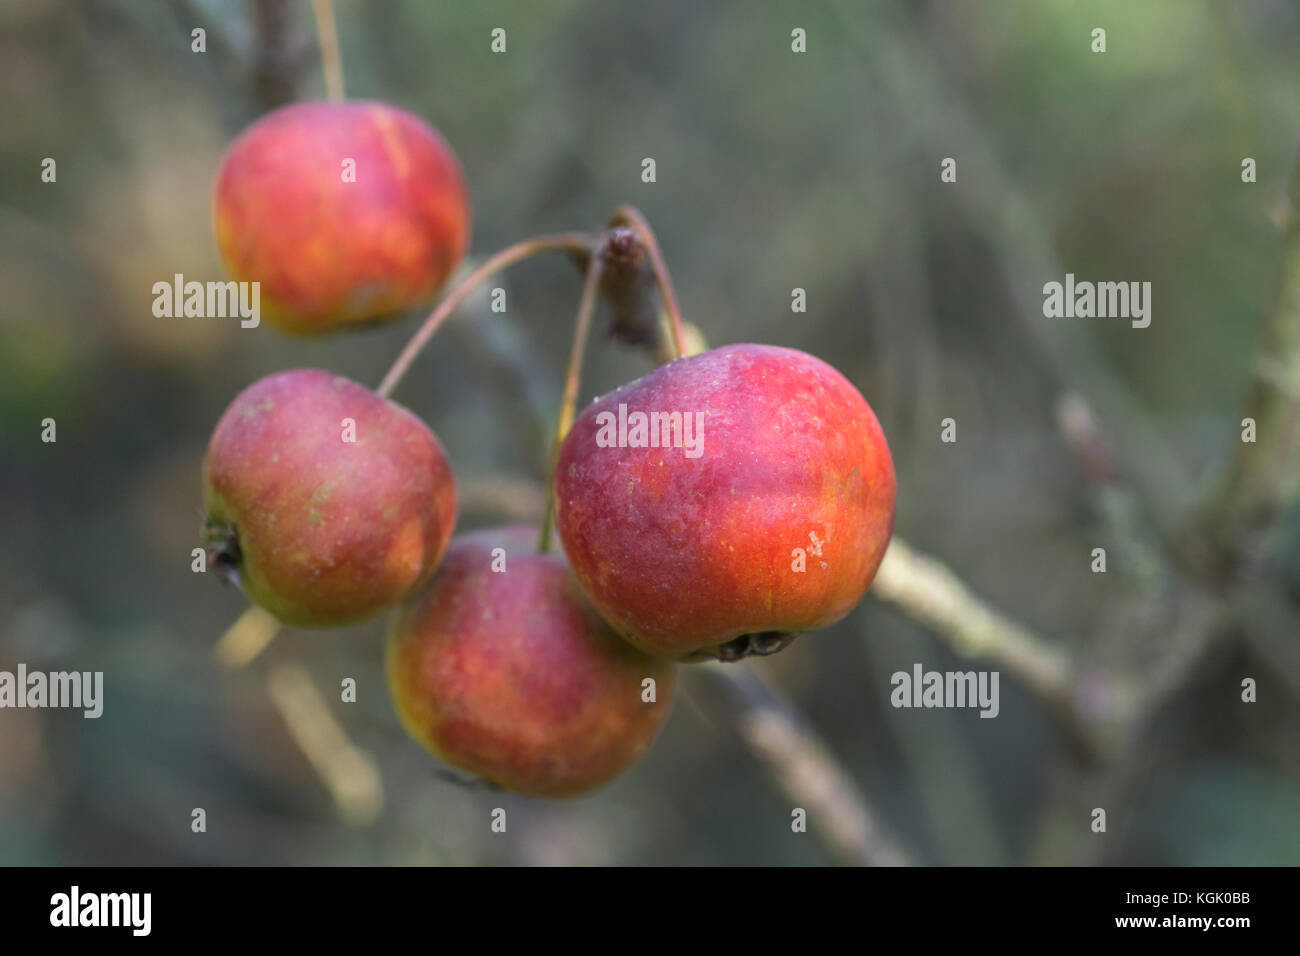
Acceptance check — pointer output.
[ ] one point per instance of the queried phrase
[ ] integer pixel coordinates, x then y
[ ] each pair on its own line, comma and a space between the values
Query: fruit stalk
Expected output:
327, 34
569, 401
560, 242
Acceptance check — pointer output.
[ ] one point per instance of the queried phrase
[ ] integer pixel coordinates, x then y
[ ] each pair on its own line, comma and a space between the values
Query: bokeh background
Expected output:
775, 171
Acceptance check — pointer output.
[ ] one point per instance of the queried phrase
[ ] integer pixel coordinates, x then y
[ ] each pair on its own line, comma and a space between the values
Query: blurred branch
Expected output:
930, 593
1079, 428
246, 638
1012, 227
1115, 503
268, 64
349, 773
1270, 623
800, 763
278, 55
1261, 482
220, 48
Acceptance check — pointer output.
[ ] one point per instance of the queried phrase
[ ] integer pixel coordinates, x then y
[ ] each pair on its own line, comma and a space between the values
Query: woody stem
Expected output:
631, 217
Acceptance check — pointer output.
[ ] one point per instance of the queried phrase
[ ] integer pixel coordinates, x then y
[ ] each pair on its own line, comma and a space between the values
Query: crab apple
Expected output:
343, 212
500, 666
325, 502
726, 501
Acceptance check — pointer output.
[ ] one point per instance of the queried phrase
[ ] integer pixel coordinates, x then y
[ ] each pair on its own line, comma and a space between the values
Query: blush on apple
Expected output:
325, 502
344, 212
500, 666
765, 516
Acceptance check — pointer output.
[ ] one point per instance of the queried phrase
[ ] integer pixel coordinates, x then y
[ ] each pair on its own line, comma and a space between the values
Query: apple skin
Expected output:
330, 253
318, 530
512, 675
682, 555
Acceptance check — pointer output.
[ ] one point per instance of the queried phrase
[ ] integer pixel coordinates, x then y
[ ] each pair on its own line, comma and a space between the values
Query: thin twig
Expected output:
251, 633
929, 592
1117, 505
569, 401
349, 773
327, 34
1262, 479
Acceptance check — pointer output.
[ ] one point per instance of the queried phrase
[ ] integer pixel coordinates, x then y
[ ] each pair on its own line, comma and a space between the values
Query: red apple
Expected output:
324, 501
773, 523
511, 675
342, 211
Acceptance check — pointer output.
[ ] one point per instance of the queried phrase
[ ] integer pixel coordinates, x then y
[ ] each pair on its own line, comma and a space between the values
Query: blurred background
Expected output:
775, 170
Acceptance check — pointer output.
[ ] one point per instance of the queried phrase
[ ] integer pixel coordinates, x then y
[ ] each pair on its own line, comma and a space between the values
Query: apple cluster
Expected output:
328, 503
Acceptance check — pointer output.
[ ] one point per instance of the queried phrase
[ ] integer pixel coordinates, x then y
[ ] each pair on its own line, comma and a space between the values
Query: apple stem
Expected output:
327, 35
561, 242
631, 216
569, 401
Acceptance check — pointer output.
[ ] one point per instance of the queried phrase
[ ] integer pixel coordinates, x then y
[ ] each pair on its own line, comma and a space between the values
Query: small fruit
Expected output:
511, 675
342, 211
324, 501
767, 515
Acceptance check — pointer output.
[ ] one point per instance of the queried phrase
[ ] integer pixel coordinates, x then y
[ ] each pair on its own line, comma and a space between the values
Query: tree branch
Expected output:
802, 766
929, 592
1261, 481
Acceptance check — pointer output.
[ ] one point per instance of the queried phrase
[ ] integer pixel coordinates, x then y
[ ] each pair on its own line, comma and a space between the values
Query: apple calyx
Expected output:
222, 544
758, 644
